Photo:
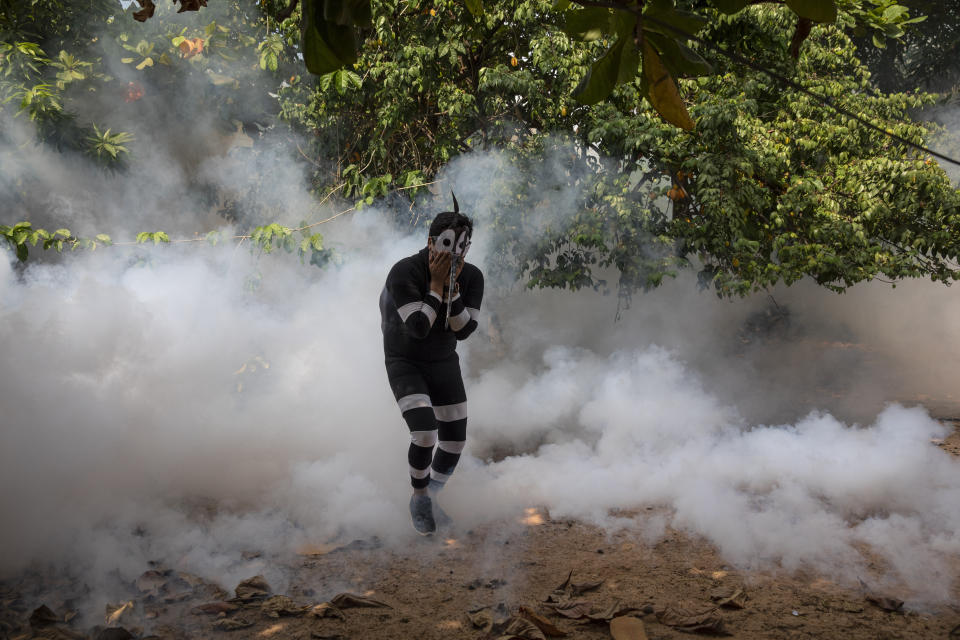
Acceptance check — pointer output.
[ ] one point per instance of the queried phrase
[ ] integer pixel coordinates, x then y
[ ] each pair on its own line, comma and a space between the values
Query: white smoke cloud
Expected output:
157, 407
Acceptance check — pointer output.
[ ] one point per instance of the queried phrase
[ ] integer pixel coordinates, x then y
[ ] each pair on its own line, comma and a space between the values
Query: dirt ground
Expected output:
473, 584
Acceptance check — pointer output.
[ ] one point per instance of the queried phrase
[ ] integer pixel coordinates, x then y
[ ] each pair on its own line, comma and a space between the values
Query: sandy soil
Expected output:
457, 585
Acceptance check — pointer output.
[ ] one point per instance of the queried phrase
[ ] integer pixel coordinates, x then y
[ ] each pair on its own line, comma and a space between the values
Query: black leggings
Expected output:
433, 402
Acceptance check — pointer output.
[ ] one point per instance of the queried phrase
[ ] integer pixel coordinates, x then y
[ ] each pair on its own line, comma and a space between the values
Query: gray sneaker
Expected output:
421, 512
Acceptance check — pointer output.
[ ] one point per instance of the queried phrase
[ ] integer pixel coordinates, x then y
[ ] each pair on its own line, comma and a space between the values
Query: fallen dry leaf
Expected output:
253, 588
43, 616
276, 606
214, 608
325, 610
517, 628
547, 627
116, 612
730, 598
348, 600
706, 620
152, 582
190, 579
232, 624
615, 610
572, 608
481, 619
627, 628
579, 588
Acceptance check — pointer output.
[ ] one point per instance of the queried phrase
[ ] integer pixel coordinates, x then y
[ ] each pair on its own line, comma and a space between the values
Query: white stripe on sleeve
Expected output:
460, 320
412, 307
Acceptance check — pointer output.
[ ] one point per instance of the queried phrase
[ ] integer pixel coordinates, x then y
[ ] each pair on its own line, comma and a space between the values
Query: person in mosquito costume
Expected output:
430, 301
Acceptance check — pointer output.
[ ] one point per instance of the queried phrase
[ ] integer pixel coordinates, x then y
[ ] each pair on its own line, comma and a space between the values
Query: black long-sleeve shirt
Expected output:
413, 318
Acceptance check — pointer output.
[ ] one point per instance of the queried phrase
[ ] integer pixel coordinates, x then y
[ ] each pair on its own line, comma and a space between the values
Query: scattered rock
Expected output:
627, 628
885, 602
254, 588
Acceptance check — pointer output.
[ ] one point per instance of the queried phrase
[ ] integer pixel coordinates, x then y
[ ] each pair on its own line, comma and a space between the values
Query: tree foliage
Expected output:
753, 184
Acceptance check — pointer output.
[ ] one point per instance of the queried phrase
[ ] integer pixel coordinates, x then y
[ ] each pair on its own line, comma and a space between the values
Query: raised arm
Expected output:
465, 306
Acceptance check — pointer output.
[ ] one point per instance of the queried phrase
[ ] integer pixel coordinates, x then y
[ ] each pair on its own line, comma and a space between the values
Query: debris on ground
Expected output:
214, 608
325, 610
729, 597
276, 606
232, 624
114, 613
692, 619
627, 628
885, 602
548, 628
348, 600
255, 588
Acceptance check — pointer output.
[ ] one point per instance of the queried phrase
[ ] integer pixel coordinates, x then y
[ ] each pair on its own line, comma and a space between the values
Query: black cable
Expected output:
736, 57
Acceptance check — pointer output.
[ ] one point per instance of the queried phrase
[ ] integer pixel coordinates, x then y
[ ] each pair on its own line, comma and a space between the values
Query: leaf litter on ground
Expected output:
692, 619
729, 597
627, 628
255, 588
350, 600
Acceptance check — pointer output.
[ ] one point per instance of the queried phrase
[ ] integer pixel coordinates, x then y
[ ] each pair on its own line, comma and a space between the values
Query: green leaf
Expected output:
816, 10
680, 60
104, 238
588, 24
143, 236
619, 64
683, 20
476, 7
730, 6
22, 252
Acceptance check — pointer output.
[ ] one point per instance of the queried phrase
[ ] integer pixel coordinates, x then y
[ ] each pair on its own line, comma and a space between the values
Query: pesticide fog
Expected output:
188, 403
